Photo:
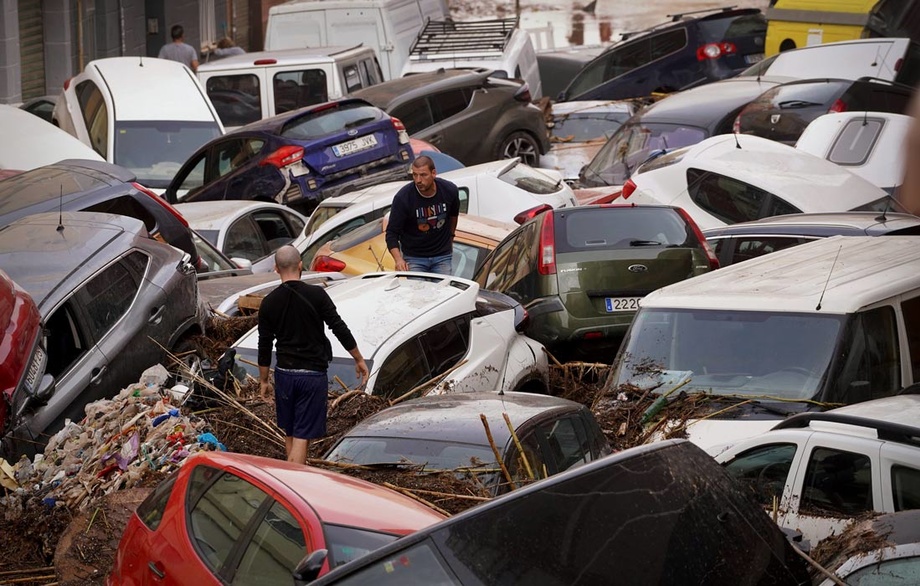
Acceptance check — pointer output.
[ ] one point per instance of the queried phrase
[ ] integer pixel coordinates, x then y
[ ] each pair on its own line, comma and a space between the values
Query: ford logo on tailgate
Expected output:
637, 268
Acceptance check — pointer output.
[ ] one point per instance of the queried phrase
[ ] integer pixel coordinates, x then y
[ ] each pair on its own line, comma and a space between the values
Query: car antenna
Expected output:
60, 227
737, 144
884, 215
820, 299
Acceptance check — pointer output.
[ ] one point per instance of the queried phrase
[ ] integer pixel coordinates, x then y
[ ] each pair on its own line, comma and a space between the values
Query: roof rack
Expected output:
896, 432
447, 37
680, 15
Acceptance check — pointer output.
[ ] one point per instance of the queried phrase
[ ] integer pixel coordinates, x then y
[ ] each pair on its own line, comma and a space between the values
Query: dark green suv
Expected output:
580, 272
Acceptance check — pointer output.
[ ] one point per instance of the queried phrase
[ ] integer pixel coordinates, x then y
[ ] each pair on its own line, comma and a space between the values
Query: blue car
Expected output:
298, 158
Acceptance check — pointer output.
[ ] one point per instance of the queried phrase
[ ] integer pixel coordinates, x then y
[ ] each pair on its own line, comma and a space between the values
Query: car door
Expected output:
485, 351
462, 117
244, 239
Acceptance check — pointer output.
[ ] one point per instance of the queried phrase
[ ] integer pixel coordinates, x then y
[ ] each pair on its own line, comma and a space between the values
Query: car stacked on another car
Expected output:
37, 143
580, 272
298, 158
111, 300
446, 432
691, 48
470, 115
21, 345
418, 329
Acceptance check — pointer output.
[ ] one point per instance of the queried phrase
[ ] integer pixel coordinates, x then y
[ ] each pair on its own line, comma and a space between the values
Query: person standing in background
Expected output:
178, 50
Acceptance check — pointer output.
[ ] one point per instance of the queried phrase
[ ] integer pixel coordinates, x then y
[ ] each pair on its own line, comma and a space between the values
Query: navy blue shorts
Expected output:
300, 402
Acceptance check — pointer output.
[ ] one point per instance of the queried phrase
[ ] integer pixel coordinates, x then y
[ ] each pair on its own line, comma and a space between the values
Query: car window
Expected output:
464, 193
329, 121
528, 464
871, 364
611, 228
359, 235
466, 259
837, 481
855, 142
194, 176
44, 183
244, 240
95, 116
585, 126
150, 511
236, 98
369, 72
404, 369
294, 222
155, 149
445, 344
567, 442
65, 339
666, 43
107, 296
351, 78
274, 550
903, 570
496, 273
346, 544
725, 198
416, 115
529, 179
763, 470
590, 76
745, 25
747, 247
418, 564
127, 206
910, 310
628, 57
275, 230
299, 88
450, 103
228, 156
345, 228
905, 487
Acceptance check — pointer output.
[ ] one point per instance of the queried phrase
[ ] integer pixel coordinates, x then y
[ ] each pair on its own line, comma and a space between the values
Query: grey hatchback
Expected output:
446, 432
580, 272
110, 299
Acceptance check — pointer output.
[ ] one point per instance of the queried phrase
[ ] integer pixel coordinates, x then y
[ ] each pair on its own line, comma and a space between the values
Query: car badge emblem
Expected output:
774, 118
637, 268
354, 131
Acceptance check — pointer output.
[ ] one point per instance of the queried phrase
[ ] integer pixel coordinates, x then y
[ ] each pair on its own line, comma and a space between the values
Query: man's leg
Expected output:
417, 264
441, 265
288, 445
299, 451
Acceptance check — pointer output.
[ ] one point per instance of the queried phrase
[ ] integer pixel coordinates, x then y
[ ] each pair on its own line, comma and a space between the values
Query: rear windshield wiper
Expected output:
644, 243
790, 104
359, 122
758, 403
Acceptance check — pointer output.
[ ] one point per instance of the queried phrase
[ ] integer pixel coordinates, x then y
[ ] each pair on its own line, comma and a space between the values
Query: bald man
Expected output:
292, 316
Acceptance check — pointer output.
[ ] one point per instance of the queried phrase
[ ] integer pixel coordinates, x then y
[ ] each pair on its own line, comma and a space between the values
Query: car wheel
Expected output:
520, 144
186, 369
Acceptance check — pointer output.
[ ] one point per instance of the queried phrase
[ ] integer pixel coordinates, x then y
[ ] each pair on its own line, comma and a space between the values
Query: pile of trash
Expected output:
119, 444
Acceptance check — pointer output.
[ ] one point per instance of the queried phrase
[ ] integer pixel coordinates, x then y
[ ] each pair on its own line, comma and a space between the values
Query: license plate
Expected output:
354, 146
34, 368
622, 304
753, 58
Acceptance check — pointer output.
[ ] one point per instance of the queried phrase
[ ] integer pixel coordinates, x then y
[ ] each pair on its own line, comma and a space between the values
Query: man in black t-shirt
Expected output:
423, 219
293, 314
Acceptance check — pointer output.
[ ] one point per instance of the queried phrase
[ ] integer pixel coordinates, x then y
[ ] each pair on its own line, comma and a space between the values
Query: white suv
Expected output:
823, 469
415, 327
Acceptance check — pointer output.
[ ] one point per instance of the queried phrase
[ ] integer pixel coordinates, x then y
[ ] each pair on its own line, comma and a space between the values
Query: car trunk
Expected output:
782, 113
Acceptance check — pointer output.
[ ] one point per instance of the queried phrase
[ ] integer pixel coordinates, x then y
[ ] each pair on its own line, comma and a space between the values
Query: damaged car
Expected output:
421, 330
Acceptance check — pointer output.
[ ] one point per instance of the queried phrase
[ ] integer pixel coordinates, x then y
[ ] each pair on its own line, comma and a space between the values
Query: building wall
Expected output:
10, 73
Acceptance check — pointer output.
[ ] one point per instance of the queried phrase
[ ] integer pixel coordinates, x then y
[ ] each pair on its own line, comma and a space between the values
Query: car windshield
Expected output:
347, 544
40, 185
358, 236
341, 368
155, 149
585, 126
631, 145
748, 353
330, 120
732, 27
212, 258
320, 215
530, 180
883, 204
433, 454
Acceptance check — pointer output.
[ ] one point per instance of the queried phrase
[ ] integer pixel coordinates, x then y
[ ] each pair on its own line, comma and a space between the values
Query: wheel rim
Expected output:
523, 148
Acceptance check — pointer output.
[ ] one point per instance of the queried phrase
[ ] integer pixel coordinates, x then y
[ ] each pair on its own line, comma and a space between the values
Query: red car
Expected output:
20, 353
226, 518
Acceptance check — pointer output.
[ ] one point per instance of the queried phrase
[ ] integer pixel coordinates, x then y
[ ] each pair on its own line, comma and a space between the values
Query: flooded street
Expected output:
563, 23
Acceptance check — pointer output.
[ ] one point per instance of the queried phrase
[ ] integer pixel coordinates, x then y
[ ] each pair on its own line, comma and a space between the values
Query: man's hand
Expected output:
361, 371
402, 265
265, 389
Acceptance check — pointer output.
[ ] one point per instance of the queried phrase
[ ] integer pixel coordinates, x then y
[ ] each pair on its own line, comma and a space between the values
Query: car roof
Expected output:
146, 87
486, 228
401, 89
900, 409
894, 419
682, 19
839, 274
821, 224
336, 498
41, 258
275, 124
456, 417
36, 142
280, 58
213, 215
801, 179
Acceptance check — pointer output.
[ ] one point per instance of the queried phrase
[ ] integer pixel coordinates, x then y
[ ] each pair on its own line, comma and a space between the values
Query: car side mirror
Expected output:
308, 568
39, 397
242, 263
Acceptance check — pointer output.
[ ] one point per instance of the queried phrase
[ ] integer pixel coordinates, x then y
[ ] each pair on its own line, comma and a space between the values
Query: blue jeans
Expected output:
430, 264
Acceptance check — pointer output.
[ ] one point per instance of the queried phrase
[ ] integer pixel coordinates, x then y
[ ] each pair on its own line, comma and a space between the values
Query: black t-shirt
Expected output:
419, 225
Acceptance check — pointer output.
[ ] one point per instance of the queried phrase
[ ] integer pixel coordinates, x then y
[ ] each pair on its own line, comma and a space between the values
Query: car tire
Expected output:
189, 370
520, 144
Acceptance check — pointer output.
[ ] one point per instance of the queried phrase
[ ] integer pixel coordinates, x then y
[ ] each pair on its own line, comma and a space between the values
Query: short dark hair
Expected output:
176, 32
423, 161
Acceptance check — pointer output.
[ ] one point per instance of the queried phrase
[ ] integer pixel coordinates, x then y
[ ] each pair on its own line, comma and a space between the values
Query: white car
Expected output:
250, 230
506, 190
867, 143
733, 178
147, 115
31, 142
415, 327
824, 469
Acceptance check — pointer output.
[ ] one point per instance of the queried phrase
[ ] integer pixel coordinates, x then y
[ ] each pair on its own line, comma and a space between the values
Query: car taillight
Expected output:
532, 213
547, 264
628, 188
265, 62
67, 84
166, 205
400, 130
710, 254
898, 64
715, 50
523, 93
326, 264
838, 106
286, 155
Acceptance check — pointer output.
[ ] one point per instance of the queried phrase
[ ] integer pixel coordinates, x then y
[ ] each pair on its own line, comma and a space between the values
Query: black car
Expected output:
111, 300
782, 113
690, 49
94, 186
470, 115
678, 120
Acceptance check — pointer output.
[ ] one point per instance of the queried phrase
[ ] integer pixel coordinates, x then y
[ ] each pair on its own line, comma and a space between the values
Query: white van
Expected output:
387, 26
500, 45
830, 322
248, 87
